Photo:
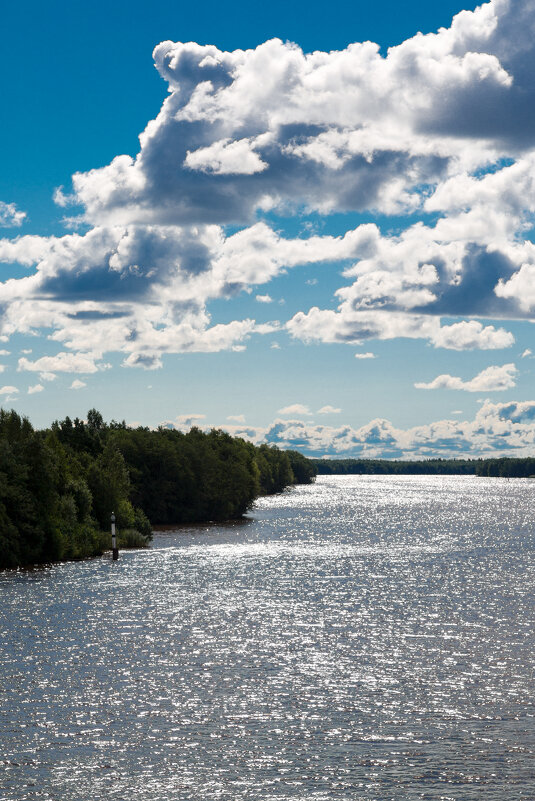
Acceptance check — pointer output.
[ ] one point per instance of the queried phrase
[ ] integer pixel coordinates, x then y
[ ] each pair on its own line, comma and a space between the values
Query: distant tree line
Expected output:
395, 467
58, 487
505, 467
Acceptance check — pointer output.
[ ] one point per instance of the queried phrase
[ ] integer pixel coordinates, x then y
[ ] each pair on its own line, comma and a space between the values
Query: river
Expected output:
368, 638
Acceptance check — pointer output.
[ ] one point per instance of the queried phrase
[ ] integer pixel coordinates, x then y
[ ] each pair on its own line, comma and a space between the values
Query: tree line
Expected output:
395, 467
505, 467
59, 486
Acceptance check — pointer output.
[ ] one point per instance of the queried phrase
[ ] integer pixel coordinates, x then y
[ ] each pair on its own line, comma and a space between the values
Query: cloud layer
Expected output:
498, 429
438, 132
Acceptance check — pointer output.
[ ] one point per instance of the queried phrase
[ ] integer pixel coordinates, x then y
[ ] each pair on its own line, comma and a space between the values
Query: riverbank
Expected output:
59, 486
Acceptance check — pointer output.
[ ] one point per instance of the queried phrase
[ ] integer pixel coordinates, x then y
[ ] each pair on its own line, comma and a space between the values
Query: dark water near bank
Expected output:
365, 638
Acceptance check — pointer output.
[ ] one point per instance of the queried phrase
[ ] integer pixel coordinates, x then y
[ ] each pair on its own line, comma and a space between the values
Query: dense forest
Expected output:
58, 487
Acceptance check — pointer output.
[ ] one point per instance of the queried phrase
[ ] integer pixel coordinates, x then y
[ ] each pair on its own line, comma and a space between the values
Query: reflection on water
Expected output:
365, 638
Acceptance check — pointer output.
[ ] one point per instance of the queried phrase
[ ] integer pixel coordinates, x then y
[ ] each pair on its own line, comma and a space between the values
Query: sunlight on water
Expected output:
367, 638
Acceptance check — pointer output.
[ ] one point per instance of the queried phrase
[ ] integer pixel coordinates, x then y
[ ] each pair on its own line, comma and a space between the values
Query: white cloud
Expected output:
36, 388
472, 334
10, 216
367, 355
183, 422
264, 299
77, 384
62, 363
492, 379
295, 408
8, 390
526, 353
237, 418
329, 410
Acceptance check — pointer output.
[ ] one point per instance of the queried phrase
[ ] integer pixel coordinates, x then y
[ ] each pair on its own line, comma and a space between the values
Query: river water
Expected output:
367, 638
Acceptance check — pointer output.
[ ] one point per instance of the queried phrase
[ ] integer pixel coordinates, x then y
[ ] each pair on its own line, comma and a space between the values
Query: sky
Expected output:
311, 226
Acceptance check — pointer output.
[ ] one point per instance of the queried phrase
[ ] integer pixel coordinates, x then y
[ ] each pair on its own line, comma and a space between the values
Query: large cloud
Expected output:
440, 127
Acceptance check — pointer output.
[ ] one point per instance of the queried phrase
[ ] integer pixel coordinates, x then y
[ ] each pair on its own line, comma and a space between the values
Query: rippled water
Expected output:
364, 638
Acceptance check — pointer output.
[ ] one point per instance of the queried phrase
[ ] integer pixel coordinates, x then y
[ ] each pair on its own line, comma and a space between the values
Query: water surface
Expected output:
367, 638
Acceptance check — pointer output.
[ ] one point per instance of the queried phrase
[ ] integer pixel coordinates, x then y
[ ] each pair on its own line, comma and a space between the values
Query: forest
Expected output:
59, 486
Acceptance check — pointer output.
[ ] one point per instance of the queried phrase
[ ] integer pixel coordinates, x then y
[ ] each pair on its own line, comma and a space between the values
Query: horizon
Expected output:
318, 242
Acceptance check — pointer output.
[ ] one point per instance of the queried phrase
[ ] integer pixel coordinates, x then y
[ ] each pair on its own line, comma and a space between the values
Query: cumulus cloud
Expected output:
237, 418
295, 408
36, 388
469, 335
10, 216
329, 410
8, 390
63, 363
264, 299
183, 422
367, 355
77, 384
492, 379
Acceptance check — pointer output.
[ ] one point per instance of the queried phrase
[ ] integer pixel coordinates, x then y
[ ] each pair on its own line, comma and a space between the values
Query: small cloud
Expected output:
61, 199
457, 411
147, 361
295, 408
238, 348
35, 388
312, 281
8, 390
275, 346
527, 353
365, 355
264, 299
2, 368
329, 410
26, 351
77, 384
47, 376
238, 418
10, 216
188, 420
5, 352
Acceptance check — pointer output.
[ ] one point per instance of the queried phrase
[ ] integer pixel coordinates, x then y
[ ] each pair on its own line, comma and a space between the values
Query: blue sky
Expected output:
319, 242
